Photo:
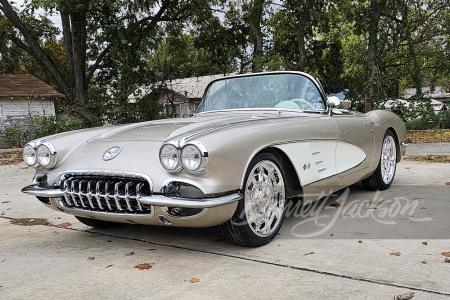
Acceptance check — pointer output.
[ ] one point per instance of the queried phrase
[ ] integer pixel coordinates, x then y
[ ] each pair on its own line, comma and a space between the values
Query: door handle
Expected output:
369, 123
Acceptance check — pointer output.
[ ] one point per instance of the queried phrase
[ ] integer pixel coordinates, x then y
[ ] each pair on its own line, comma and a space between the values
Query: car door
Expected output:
356, 142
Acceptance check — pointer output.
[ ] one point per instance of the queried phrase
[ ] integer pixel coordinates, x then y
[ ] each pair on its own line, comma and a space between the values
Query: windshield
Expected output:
289, 91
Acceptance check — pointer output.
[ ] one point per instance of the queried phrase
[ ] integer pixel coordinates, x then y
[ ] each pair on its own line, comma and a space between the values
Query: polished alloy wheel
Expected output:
264, 198
388, 159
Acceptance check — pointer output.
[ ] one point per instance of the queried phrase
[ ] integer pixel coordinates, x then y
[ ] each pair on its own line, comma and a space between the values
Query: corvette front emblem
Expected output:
306, 166
111, 153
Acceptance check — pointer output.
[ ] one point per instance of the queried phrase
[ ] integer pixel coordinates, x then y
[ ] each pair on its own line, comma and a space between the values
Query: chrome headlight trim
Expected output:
30, 147
52, 153
178, 166
203, 159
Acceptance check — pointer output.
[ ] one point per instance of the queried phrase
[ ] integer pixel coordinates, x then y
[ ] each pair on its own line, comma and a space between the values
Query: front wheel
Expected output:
260, 213
383, 176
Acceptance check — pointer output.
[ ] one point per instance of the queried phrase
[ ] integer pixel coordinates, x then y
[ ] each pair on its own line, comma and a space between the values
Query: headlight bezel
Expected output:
52, 153
180, 146
174, 145
204, 157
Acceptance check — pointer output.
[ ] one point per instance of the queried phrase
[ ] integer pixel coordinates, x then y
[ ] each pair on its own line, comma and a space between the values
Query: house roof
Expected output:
425, 90
193, 87
25, 85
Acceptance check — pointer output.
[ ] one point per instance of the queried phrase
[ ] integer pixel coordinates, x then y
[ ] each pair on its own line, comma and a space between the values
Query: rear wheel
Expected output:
260, 213
384, 174
96, 223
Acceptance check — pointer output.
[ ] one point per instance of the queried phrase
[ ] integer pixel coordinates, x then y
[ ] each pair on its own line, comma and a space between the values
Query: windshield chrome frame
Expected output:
314, 81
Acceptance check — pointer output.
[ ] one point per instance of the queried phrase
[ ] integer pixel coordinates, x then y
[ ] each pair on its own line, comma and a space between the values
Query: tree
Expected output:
119, 33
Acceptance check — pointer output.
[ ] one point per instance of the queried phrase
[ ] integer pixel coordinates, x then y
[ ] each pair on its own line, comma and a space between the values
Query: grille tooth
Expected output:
127, 195
90, 194
105, 194
80, 193
72, 192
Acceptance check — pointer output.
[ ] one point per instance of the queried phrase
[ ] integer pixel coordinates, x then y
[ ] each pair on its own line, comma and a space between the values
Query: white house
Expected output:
184, 93
23, 98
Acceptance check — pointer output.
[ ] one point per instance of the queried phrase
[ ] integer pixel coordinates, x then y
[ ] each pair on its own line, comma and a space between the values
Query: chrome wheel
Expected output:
264, 198
388, 159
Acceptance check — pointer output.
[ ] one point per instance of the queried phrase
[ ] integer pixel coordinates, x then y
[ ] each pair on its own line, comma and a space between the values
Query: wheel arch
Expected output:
293, 187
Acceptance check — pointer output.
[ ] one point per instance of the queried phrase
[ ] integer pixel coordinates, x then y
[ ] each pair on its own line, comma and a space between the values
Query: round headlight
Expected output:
29, 155
168, 155
46, 155
191, 158
43, 156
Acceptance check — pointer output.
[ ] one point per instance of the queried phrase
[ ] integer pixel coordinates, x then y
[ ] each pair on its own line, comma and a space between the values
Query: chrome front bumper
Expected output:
155, 200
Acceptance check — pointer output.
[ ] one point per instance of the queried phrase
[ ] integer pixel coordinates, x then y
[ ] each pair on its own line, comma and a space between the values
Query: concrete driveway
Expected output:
355, 245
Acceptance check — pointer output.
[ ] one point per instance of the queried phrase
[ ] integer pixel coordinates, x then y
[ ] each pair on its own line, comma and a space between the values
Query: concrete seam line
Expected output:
311, 270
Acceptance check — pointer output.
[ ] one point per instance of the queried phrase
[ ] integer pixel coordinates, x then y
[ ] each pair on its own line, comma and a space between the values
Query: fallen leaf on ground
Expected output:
62, 225
143, 266
430, 158
395, 253
447, 183
129, 254
6, 201
408, 168
91, 258
57, 251
29, 222
335, 205
405, 296
332, 234
425, 243
424, 262
194, 280
307, 253
426, 254
108, 241
108, 266
359, 241
446, 254
447, 260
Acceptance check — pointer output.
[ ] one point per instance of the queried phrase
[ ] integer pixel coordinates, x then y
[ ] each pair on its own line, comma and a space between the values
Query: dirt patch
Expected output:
10, 158
30, 221
430, 158
429, 136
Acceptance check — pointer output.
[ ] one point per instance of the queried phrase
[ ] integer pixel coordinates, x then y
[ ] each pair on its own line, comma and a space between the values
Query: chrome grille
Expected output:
105, 193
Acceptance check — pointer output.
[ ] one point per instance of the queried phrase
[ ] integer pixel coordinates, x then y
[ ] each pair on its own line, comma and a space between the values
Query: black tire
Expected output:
238, 229
375, 181
96, 223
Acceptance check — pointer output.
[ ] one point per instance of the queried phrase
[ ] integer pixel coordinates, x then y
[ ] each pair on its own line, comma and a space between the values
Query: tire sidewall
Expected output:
239, 218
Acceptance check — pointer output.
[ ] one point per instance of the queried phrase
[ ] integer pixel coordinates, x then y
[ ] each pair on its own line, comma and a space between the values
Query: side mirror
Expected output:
333, 102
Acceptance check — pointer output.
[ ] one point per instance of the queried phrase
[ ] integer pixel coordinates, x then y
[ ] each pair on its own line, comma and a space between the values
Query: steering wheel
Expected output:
303, 104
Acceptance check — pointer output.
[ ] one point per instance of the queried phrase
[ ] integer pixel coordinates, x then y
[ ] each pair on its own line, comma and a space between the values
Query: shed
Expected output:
23, 97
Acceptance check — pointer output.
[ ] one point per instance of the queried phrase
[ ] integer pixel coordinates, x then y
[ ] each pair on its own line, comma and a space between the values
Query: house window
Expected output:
170, 113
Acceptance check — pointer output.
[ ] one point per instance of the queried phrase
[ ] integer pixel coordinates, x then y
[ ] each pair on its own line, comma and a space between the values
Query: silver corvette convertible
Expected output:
255, 141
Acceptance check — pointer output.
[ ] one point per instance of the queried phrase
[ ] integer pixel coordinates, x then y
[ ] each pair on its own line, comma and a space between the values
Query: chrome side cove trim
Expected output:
161, 200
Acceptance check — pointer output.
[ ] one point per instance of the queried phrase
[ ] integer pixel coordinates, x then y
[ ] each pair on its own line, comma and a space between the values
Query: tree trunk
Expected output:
303, 22
78, 25
33, 48
376, 9
255, 17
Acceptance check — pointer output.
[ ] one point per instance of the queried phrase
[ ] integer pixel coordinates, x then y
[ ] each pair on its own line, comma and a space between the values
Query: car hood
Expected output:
167, 129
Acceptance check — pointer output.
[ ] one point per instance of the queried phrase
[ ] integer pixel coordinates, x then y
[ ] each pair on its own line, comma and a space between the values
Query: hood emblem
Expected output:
111, 153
